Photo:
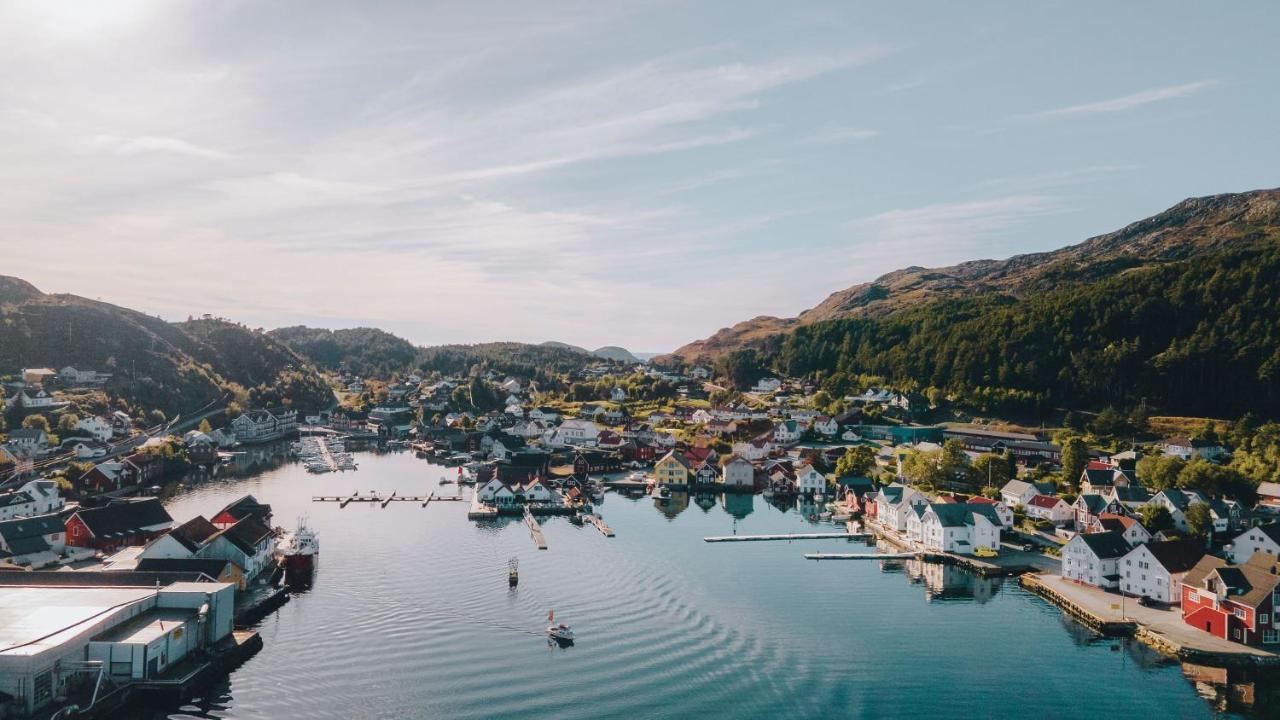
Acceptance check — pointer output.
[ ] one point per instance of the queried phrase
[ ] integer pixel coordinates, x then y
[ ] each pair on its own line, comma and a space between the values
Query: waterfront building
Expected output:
672, 469
1155, 570
1093, 558
54, 637
258, 426
117, 524
1234, 602
738, 472
955, 527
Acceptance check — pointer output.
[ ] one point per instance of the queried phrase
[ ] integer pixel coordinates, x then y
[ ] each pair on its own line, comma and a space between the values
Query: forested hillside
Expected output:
1178, 313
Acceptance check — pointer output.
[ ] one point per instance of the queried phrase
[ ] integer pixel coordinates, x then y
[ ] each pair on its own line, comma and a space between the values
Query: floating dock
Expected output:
535, 530
861, 556
792, 536
595, 520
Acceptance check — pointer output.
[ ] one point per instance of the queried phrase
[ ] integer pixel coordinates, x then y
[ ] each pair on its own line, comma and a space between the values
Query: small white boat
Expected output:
558, 631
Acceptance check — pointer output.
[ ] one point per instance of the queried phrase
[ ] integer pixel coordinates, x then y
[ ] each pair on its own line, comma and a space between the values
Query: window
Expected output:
1240, 613
1271, 637
43, 687
1263, 618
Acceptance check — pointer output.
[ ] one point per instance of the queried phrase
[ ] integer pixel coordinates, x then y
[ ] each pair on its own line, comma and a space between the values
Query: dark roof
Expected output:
14, 498
957, 514
1098, 477
1106, 544
1132, 494
206, 566
124, 517
98, 578
1271, 530
25, 434
1177, 555
1093, 502
245, 535
15, 530
245, 507
194, 532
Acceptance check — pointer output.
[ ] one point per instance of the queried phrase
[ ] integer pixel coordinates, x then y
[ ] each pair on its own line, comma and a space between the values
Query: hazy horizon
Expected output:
588, 173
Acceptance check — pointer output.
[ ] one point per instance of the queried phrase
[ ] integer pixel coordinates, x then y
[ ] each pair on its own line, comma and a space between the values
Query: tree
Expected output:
991, 470
38, 422
856, 461
1110, 423
1160, 472
67, 422
1199, 521
1156, 518
205, 427
1208, 433
924, 468
1075, 455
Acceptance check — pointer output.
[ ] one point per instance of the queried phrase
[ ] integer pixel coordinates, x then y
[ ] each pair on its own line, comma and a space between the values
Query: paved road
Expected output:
1166, 622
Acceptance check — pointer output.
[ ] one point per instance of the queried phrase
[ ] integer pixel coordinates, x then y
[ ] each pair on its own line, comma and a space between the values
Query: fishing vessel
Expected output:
560, 632
513, 572
298, 552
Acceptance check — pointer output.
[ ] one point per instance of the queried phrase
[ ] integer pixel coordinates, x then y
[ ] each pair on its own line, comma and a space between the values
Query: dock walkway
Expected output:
600, 525
535, 530
861, 556
791, 536
1160, 629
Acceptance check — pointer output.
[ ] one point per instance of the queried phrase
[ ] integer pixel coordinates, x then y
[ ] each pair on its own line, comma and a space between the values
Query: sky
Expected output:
599, 173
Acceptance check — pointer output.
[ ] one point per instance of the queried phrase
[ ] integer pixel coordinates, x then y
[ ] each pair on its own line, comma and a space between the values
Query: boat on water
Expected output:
559, 632
298, 552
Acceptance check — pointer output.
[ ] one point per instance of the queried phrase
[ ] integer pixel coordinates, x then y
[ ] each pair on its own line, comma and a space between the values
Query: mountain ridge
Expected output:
1192, 227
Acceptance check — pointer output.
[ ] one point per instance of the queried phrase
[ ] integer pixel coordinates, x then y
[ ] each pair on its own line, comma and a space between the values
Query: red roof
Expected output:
1045, 501
980, 500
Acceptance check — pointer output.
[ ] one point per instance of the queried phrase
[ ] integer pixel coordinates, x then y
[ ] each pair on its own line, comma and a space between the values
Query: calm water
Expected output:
411, 618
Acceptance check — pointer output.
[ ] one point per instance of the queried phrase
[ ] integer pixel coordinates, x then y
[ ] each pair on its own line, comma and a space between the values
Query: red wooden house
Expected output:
1234, 602
120, 523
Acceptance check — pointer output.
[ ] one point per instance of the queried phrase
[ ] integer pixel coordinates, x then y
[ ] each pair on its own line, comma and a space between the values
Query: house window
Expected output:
1240, 613
1263, 618
1271, 637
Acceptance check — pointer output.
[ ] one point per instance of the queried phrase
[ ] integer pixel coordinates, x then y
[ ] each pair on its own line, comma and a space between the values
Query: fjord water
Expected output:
411, 617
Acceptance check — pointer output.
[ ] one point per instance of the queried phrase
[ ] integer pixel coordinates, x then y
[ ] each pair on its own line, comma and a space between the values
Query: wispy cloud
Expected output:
1127, 102
151, 143
952, 226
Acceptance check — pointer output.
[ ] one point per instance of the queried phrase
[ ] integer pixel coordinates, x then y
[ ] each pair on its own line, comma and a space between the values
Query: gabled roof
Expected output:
1106, 545
193, 533
124, 517
1177, 556
959, 514
1271, 530
1044, 501
1097, 478
1093, 502
247, 506
1249, 584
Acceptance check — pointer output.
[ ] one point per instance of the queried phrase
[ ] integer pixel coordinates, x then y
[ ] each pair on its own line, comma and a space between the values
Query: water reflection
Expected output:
950, 583
1249, 692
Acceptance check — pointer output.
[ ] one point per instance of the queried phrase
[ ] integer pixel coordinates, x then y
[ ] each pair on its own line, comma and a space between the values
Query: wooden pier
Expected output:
600, 525
861, 556
535, 530
792, 536
344, 500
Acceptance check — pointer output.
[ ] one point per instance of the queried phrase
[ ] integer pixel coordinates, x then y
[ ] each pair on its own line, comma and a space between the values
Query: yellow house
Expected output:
672, 469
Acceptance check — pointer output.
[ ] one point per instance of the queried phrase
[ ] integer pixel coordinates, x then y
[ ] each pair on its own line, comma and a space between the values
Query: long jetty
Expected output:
344, 500
790, 536
535, 530
861, 556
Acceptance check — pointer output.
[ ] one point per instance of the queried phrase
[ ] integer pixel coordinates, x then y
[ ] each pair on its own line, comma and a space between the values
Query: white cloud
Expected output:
834, 135
1127, 102
144, 144
947, 227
